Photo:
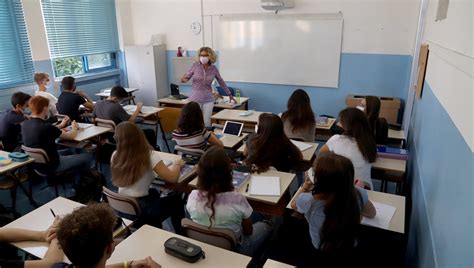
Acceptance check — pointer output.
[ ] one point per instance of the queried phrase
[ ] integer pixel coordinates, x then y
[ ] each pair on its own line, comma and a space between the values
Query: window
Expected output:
84, 64
16, 63
82, 35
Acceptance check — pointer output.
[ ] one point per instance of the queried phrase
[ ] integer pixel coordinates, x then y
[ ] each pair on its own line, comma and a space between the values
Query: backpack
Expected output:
89, 187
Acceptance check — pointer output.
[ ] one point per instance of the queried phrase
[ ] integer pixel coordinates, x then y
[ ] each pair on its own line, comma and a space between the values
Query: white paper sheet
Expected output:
265, 185
301, 145
382, 218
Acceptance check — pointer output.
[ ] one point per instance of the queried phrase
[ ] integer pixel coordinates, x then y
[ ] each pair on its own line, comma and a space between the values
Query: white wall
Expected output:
370, 26
36, 29
450, 65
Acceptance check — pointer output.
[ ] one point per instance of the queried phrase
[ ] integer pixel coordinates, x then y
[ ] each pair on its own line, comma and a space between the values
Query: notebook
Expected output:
382, 218
265, 185
301, 145
390, 152
239, 178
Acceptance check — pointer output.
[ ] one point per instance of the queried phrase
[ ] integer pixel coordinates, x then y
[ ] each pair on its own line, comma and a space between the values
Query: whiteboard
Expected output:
181, 65
292, 49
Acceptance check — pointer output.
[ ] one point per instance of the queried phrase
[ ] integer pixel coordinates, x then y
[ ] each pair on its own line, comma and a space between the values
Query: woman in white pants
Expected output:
203, 73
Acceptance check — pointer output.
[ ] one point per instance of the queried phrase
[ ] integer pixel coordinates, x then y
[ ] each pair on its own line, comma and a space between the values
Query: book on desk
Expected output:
390, 152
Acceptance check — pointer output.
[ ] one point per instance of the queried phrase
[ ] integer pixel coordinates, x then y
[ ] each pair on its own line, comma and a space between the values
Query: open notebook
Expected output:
301, 145
382, 218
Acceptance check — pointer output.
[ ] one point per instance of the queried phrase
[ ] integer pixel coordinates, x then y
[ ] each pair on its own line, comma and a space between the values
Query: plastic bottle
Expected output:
237, 95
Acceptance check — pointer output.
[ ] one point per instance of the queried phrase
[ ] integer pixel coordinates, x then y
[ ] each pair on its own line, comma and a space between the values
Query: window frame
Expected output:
85, 65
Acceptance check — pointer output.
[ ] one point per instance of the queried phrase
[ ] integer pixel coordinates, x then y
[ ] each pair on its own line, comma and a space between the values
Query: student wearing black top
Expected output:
53, 255
37, 133
110, 109
379, 126
69, 101
10, 121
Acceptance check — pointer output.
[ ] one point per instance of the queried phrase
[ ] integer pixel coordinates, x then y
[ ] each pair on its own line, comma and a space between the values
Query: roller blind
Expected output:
16, 64
80, 27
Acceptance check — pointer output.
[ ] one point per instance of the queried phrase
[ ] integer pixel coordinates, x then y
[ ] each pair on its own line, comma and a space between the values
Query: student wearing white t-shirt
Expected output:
215, 204
134, 166
356, 143
42, 80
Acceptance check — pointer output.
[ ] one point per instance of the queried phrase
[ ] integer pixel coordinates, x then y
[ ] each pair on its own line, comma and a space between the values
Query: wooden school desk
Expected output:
323, 132
275, 264
11, 168
307, 154
149, 241
182, 183
234, 115
230, 141
41, 218
274, 205
397, 136
89, 131
149, 114
397, 224
171, 102
390, 170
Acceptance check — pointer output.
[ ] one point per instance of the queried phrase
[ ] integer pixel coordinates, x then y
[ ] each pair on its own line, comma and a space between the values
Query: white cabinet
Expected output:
147, 71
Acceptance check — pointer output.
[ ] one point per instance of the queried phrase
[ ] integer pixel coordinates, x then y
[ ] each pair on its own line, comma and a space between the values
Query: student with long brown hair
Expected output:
298, 120
191, 132
134, 165
356, 143
270, 147
215, 204
332, 205
379, 126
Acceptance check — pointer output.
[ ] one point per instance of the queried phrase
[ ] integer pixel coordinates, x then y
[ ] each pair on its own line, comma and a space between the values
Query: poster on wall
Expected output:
422, 63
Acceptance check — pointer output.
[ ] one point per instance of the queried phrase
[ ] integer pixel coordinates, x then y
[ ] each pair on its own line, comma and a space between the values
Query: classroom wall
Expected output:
441, 145
376, 49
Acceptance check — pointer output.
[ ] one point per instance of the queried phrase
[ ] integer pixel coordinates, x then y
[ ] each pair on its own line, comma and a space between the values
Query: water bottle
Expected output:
237, 95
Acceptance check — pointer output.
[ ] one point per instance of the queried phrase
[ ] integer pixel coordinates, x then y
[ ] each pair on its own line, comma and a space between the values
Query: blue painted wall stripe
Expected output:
441, 173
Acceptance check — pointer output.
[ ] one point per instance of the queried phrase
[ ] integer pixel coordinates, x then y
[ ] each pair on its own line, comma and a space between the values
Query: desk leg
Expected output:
29, 194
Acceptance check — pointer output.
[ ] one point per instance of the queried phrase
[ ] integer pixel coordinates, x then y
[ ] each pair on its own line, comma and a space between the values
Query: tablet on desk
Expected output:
233, 128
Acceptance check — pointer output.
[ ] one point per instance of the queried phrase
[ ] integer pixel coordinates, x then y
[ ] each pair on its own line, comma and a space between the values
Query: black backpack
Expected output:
89, 187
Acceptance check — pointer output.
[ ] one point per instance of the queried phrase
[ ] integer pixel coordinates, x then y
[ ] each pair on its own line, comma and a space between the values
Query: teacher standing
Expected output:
203, 73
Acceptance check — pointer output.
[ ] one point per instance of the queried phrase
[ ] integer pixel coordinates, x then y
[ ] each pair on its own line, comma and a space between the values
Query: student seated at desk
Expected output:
11, 120
332, 205
70, 100
134, 165
379, 126
270, 147
356, 143
191, 132
53, 255
298, 120
37, 133
86, 237
110, 109
42, 80
215, 204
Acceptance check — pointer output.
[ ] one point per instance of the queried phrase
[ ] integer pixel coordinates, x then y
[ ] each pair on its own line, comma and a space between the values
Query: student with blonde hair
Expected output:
42, 80
203, 73
134, 166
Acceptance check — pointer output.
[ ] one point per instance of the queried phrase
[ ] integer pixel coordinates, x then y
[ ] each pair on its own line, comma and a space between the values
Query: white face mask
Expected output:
204, 60
361, 108
256, 128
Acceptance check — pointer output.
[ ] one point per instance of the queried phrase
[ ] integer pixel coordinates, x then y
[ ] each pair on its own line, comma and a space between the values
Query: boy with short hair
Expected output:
10, 121
42, 80
86, 237
69, 101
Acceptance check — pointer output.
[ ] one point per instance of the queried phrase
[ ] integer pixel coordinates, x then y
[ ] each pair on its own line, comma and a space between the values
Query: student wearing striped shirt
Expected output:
191, 132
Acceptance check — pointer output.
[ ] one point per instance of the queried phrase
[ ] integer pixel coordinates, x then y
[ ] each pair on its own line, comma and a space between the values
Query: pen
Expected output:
247, 189
52, 212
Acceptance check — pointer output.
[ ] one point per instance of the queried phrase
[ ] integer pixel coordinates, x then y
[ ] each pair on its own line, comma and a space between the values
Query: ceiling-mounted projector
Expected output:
276, 5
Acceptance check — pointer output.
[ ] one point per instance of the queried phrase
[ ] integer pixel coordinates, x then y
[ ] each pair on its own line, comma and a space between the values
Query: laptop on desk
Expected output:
175, 92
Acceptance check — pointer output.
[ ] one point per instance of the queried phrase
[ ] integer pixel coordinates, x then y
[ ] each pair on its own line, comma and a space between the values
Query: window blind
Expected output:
16, 64
80, 27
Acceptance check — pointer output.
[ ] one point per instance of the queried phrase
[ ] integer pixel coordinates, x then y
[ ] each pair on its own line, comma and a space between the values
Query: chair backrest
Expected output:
219, 237
39, 155
121, 203
222, 91
105, 123
169, 119
179, 150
